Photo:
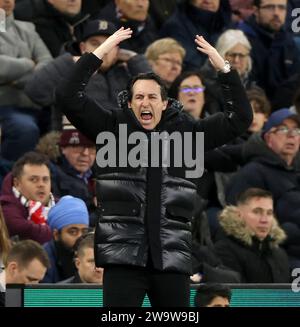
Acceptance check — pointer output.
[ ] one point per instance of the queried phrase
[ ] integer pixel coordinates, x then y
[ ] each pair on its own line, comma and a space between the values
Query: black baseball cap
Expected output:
98, 27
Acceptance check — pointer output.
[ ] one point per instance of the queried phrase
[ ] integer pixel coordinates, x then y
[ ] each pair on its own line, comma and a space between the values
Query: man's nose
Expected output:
236, 59
277, 11
145, 102
264, 218
192, 91
85, 151
41, 183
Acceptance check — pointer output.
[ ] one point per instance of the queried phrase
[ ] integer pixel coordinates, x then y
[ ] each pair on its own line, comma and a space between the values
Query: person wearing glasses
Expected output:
234, 46
189, 89
165, 57
71, 165
273, 164
274, 52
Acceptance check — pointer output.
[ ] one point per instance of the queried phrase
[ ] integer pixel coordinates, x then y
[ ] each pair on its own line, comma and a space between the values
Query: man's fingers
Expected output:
122, 34
122, 30
202, 39
203, 50
203, 45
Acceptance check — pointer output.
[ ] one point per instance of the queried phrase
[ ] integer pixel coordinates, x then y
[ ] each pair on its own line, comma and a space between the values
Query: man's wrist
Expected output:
227, 67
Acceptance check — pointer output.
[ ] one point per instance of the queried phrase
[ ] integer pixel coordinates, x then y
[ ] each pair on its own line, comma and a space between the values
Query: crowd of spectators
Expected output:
48, 189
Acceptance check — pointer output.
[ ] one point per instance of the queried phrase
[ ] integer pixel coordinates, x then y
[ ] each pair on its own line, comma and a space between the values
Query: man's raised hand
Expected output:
213, 55
113, 41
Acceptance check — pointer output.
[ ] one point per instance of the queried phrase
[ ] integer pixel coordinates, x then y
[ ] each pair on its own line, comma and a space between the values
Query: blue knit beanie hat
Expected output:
68, 211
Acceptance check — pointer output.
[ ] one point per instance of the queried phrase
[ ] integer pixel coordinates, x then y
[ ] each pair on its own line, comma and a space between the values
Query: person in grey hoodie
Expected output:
21, 53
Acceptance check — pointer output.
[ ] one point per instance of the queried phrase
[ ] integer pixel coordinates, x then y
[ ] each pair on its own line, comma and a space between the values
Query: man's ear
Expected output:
15, 182
12, 268
255, 11
55, 234
129, 104
165, 105
238, 212
62, 150
77, 263
82, 47
266, 138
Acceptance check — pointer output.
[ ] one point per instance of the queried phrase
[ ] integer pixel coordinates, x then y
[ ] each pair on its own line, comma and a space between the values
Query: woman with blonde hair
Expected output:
165, 57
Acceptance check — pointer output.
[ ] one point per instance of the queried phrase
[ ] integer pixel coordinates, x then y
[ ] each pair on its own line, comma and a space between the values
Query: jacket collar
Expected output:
234, 226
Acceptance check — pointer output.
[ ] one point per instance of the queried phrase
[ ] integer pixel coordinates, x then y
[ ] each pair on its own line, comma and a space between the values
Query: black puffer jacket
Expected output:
147, 210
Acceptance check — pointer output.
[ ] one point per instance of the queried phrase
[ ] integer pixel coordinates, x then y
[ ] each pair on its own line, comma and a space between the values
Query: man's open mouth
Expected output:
146, 115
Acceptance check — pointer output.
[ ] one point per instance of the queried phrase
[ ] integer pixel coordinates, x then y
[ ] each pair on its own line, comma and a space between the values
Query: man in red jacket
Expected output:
26, 198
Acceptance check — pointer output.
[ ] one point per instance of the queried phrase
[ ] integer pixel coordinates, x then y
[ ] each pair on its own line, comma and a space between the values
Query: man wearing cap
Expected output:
111, 77
71, 174
273, 165
68, 220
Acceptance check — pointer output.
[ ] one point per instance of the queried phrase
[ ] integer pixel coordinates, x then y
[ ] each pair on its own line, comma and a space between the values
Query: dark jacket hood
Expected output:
234, 226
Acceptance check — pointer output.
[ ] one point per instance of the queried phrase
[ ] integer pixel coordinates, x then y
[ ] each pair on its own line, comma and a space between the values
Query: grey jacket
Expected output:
21, 52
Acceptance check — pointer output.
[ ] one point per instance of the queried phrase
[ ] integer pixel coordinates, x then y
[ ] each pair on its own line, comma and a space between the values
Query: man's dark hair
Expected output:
24, 252
261, 102
148, 76
206, 293
30, 158
251, 193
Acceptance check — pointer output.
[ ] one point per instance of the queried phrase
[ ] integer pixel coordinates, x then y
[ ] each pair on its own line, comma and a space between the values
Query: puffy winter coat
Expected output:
146, 211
